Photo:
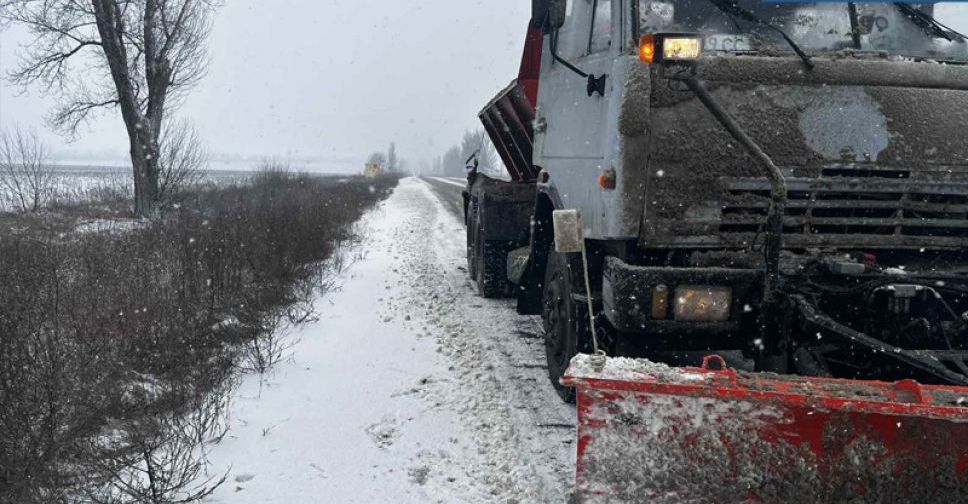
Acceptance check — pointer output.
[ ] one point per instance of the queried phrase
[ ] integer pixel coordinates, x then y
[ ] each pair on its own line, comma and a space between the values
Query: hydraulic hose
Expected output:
778, 186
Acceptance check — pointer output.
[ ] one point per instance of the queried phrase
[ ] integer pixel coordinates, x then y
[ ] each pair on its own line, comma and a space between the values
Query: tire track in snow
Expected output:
520, 424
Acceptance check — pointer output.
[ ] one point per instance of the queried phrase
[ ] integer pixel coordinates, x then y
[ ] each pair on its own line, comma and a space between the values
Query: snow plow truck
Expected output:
744, 225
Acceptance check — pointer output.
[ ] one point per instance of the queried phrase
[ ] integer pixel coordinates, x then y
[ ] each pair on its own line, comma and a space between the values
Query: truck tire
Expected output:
558, 317
491, 268
472, 237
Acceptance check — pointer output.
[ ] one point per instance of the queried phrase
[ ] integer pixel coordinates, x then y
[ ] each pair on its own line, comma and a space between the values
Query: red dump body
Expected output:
651, 433
508, 118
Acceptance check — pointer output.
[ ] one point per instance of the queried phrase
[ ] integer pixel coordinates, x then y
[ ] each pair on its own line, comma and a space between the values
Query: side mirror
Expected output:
549, 15
472, 163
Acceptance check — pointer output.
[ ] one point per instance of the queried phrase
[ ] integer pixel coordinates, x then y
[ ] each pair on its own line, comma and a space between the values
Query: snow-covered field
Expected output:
409, 388
74, 183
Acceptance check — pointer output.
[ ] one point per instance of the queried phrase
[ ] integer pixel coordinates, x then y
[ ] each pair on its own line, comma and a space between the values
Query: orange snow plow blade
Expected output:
652, 433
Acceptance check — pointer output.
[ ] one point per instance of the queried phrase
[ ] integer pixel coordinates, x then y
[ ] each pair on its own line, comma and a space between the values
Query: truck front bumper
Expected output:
627, 292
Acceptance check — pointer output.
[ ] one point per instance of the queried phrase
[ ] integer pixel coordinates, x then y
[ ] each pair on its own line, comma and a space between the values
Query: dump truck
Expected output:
744, 224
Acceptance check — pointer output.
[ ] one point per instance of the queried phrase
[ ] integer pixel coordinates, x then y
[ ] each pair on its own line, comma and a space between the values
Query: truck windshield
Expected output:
816, 27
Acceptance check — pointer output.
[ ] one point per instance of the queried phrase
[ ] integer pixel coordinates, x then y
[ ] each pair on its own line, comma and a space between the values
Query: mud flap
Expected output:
653, 433
518, 263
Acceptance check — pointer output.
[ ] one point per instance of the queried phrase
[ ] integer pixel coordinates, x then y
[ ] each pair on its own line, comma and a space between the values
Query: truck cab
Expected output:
859, 110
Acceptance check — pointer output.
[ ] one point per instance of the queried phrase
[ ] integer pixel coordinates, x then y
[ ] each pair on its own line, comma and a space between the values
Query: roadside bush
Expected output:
26, 175
117, 350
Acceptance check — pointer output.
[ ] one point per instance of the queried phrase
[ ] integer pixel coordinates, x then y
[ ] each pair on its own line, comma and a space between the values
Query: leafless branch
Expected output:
161, 460
26, 176
146, 55
182, 157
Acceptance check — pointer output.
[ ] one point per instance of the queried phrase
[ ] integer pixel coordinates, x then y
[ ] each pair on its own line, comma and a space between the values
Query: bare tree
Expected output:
392, 161
476, 141
490, 162
26, 176
378, 158
181, 159
139, 56
403, 166
453, 163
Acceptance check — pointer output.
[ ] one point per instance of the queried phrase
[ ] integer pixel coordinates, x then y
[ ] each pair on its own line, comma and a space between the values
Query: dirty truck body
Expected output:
784, 185
870, 134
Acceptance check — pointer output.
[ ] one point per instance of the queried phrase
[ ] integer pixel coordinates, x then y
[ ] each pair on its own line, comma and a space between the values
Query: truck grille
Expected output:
863, 210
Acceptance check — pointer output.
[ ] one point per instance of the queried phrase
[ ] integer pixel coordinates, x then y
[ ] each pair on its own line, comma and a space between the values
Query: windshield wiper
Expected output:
927, 23
732, 9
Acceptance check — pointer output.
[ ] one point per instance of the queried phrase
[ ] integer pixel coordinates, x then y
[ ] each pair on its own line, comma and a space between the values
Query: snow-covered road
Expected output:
408, 389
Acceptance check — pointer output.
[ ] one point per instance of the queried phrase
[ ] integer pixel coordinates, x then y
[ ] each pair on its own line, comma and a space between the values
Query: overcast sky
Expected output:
333, 79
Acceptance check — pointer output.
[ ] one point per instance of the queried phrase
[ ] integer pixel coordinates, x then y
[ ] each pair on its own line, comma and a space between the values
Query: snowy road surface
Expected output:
409, 388
459, 182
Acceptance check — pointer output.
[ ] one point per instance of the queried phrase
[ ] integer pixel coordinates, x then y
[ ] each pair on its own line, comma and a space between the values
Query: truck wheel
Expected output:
560, 329
491, 268
472, 237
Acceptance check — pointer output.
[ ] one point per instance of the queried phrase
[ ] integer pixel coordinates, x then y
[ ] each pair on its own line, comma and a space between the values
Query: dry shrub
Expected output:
26, 175
117, 350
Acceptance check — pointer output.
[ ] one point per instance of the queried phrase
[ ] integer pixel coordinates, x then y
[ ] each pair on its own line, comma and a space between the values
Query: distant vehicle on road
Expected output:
373, 171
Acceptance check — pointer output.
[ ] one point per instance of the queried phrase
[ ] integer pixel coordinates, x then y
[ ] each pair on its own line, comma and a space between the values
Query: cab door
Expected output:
570, 133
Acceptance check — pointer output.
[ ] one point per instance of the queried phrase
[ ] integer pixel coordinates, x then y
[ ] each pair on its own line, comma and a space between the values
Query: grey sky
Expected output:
325, 78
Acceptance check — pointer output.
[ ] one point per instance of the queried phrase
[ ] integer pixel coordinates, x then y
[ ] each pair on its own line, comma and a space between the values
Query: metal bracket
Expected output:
914, 359
596, 85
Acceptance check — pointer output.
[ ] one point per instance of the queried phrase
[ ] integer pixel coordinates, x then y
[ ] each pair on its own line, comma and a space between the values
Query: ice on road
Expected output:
408, 388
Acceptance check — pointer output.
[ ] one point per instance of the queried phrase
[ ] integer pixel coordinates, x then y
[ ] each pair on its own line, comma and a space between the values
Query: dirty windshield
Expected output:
483, 251
826, 26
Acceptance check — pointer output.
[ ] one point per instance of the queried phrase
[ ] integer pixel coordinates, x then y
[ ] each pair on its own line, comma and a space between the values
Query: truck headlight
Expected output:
670, 48
680, 48
695, 303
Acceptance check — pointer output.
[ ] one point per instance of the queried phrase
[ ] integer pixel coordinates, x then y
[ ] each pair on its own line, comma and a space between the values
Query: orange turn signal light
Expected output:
607, 180
672, 48
647, 48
